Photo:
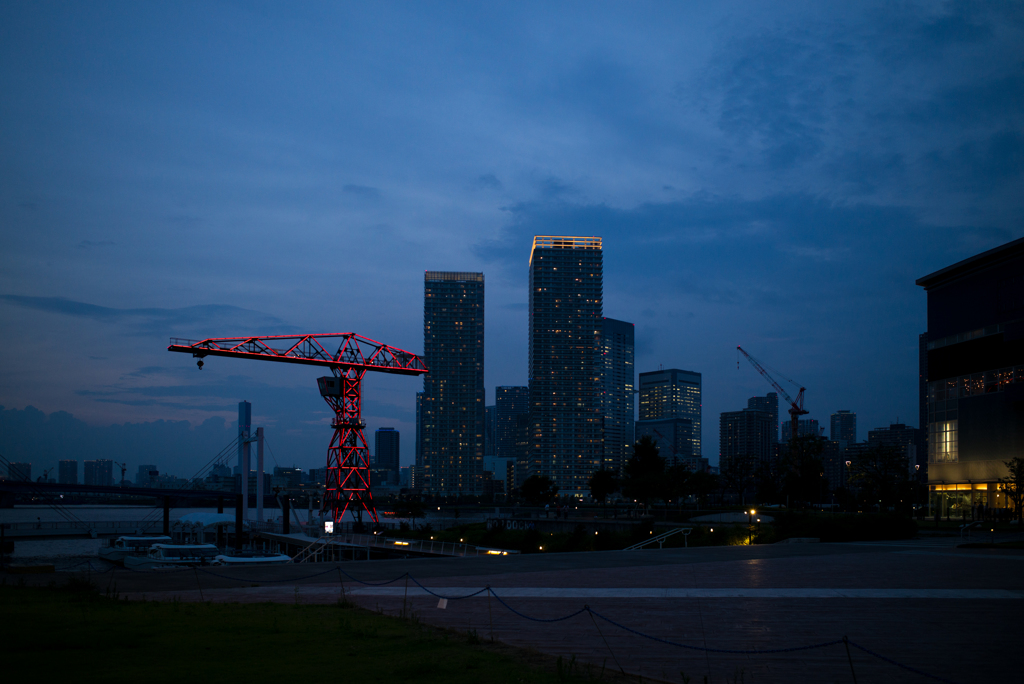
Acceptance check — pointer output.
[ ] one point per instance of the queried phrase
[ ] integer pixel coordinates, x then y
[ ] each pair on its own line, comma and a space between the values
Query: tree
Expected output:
538, 490
644, 470
1013, 484
881, 471
603, 483
801, 469
736, 474
702, 483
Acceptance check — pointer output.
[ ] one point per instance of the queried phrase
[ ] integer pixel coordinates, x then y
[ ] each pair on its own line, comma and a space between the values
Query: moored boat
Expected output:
245, 558
121, 547
171, 555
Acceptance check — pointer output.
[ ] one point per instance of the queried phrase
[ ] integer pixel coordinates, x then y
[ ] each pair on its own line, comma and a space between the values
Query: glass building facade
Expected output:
452, 405
672, 394
974, 361
566, 312
617, 349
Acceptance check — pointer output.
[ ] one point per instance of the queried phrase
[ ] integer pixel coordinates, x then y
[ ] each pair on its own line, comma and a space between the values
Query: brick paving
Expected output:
961, 640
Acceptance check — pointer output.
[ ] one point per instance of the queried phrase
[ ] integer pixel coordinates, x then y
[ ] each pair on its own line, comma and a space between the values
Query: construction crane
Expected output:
796, 408
124, 469
348, 460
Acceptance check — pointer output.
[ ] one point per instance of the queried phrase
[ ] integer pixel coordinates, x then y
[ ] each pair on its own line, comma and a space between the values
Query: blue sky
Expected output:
774, 175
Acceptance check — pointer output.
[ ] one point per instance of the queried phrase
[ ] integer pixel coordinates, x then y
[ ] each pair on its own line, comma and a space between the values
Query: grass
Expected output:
74, 634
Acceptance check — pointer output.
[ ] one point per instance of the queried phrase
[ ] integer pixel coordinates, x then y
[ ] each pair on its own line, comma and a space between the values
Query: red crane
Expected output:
348, 462
796, 408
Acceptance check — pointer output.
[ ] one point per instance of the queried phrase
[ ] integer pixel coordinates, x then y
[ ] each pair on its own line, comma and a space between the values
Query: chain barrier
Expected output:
905, 667
585, 609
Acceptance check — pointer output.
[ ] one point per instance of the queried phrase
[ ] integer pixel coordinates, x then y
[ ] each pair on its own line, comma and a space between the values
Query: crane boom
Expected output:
796, 408
355, 352
348, 460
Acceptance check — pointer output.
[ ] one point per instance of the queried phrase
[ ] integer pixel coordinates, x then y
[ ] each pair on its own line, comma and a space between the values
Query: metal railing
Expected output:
661, 538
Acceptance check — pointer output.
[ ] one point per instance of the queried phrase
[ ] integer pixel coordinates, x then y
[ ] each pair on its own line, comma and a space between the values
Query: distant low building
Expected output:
20, 471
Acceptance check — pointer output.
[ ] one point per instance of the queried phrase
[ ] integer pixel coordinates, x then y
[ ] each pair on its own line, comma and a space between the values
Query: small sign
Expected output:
329, 526
442, 604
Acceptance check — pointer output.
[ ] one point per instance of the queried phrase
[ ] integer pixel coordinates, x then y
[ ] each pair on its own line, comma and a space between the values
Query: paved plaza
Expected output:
953, 613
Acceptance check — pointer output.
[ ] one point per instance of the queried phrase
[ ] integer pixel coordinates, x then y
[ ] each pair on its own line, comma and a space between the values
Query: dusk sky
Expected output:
774, 175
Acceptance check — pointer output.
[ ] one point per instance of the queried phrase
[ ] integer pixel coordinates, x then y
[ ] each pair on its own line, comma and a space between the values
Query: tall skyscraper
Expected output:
386, 450
490, 434
453, 390
509, 403
419, 429
844, 427
745, 434
67, 472
769, 403
670, 401
565, 309
617, 391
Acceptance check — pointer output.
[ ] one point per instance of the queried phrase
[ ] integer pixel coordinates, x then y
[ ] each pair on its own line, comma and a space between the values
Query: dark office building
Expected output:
745, 434
67, 472
510, 402
19, 471
386, 450
99, 472
975, 373
674, 395
770, 404
904, 438
453, 390
844, 427
566, 309
617, 392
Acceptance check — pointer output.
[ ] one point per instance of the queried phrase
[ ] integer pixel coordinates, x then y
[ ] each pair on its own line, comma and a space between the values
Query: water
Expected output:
65, 553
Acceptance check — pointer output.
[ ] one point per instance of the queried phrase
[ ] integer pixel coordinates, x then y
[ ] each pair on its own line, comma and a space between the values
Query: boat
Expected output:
121, 547
245, 558
174, 555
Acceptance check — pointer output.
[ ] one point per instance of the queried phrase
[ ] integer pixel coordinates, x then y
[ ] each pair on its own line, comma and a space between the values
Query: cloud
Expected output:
361, 191
488, 181
158, 320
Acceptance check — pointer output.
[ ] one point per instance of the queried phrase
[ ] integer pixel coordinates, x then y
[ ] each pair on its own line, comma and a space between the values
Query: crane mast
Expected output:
348, 460
796, 408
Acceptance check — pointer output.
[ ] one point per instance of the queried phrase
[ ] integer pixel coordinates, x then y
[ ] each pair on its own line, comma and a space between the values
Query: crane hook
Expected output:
200, 364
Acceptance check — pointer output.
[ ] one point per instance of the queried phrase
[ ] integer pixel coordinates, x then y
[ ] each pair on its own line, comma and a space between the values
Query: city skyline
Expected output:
176, 173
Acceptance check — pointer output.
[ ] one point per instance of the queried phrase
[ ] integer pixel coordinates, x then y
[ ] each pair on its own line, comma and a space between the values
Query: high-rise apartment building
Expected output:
99, 472
453, 390
844, 427
490, 438
67, 472
670, 401
769, 403
745, 434
617, 391
386, 451
510, 402
565, 322
804, 426
419, 430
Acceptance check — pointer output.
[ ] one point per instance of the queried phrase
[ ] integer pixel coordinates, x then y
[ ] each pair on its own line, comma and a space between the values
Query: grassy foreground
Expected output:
73, 634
